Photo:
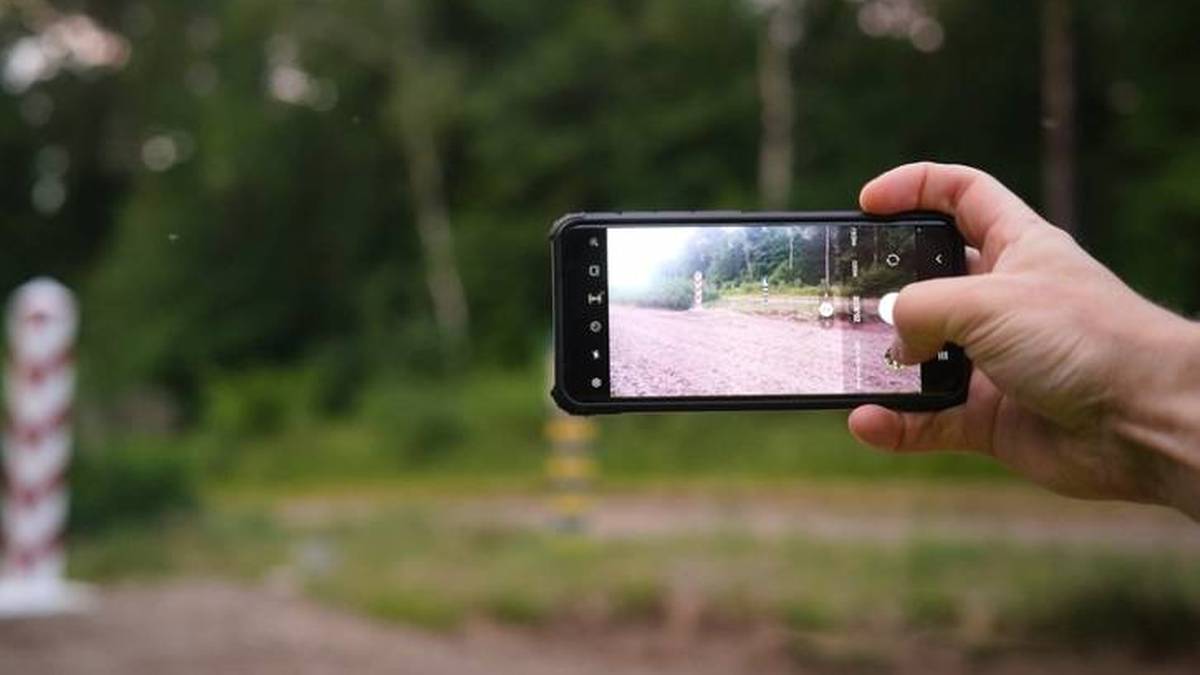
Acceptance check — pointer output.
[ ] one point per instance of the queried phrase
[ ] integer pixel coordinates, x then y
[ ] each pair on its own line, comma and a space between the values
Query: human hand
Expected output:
1080, 384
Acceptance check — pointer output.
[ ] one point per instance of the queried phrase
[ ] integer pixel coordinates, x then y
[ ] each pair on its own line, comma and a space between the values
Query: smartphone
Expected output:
713, 310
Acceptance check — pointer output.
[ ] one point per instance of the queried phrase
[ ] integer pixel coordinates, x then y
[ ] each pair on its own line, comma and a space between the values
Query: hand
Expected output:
1080, 384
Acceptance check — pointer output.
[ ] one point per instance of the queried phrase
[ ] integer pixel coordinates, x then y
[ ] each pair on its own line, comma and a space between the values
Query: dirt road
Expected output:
722, 352
205, 627
826, 510
202, 627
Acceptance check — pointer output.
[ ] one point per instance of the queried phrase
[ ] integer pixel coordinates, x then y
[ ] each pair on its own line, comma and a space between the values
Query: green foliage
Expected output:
517, 606
238, 544
420, 422
742, 258
1125, 606
674, 293
132, 483
738, 260
876, 280
272, 278
806, 616
762, 446
783, 273
926, 608
422, 610
258, 403
489, 424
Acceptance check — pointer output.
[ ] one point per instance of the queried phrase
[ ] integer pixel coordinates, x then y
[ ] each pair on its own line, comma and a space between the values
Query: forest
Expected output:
812, 260
365, 190
308, 239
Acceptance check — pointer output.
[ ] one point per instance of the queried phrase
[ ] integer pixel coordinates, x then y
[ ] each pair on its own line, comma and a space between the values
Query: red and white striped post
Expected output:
39, 387
698, 290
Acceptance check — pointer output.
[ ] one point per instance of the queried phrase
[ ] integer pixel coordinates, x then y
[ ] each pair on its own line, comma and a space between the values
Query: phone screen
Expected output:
748, 310
695, 311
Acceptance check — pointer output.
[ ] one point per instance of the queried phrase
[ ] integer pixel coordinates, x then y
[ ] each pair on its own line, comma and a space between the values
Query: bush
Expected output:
675, 293
877, 280
783, 275
490, 423
420, 423
131, 483
260, 402
254, 405
1128, 609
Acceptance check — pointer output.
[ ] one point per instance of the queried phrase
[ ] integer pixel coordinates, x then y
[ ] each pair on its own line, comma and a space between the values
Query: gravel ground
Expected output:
723, 352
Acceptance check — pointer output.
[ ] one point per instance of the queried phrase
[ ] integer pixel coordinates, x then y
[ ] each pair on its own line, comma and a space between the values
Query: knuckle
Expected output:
1057, 235
980, 303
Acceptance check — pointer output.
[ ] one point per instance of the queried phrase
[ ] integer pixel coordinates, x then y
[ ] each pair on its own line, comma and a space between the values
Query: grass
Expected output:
491, 428
764, 446
410, 448
416, 565
1139, 609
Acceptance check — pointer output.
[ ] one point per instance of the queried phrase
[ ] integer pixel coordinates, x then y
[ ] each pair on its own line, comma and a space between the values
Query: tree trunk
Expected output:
1058, 114
828, 282
437, 242
746, 255
418, 131
780, 35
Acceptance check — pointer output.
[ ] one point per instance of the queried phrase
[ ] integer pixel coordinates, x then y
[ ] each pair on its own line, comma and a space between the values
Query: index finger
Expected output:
989, 215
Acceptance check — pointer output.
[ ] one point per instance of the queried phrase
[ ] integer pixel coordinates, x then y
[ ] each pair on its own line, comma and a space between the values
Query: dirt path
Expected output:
203, 627
214, 627
723, 352
861, 512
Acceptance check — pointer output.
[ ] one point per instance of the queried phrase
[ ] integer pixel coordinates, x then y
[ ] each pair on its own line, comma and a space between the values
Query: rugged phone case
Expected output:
922, 401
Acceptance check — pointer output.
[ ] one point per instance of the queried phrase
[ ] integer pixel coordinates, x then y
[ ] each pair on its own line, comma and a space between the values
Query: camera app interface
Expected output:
756, 310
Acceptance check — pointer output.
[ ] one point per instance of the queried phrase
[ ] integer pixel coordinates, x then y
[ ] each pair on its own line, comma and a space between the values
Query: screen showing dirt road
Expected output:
756, 311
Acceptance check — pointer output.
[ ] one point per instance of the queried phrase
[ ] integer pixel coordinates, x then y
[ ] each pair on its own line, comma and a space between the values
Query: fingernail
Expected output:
891, 361
894, 356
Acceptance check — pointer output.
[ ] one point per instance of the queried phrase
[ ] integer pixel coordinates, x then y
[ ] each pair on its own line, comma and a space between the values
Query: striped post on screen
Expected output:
39, 388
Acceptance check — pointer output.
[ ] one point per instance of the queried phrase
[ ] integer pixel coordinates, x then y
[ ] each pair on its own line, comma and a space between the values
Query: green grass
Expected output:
409, 446
239, 545
763, 445
415, 565
491, 428
1140, 608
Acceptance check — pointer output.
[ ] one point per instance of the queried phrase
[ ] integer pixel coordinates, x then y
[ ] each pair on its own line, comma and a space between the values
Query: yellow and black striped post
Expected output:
570, 468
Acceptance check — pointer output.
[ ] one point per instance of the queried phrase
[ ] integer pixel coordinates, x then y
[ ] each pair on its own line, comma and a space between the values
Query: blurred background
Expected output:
309, 244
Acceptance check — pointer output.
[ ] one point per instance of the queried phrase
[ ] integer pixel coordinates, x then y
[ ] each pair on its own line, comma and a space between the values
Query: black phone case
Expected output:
906, 402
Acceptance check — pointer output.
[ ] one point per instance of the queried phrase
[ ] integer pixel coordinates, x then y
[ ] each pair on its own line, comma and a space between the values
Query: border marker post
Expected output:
39, 387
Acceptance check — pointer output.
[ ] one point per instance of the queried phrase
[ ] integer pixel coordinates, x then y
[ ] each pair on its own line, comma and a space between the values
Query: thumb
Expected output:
928, 314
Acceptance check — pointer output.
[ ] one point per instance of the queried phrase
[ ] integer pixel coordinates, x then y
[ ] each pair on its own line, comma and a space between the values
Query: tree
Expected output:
1058, 114
420, 101
780, 35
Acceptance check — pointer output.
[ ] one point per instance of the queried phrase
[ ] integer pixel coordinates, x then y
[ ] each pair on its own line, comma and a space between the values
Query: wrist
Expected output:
1158, 410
